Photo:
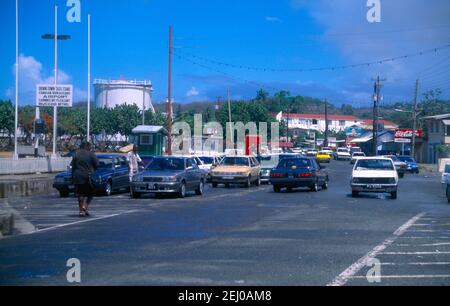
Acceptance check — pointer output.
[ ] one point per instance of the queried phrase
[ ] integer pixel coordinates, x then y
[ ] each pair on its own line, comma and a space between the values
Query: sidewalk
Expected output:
26, 185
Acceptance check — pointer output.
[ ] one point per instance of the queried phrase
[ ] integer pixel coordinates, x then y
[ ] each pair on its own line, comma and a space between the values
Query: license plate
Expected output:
71, 186
291, 176
151, 186
228, 178
374, 186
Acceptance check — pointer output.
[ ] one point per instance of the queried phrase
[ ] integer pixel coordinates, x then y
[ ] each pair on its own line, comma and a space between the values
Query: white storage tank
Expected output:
112, 93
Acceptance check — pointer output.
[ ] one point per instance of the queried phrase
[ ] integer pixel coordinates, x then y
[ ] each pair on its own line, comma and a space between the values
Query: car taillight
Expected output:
276, 175
303, 175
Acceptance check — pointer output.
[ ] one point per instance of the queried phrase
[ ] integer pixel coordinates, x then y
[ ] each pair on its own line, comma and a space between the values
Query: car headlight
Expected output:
170, 179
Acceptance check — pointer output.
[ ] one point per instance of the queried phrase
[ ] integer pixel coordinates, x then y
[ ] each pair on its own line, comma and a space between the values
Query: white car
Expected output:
446, 174
356, 156
374, 174
343, 154
328, 151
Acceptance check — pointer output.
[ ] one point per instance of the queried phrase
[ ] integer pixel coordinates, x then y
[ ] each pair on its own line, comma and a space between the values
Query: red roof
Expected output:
320, 117
384, 122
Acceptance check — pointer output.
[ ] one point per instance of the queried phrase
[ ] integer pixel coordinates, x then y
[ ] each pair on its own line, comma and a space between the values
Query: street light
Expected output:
55, 37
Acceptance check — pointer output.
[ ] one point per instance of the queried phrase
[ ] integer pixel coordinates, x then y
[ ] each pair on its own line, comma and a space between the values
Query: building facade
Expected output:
317, 122
437, 134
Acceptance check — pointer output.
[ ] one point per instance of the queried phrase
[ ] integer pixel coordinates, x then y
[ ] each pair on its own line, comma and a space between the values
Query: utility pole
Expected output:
376, 114
415, 115
16, 117
55, 109
169, 103
326, 124
89, 82
229, 116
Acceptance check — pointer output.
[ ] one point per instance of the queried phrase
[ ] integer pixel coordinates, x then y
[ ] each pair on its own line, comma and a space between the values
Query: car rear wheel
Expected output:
64, 194
325, 185
315, 187
182, 192
108, 189
199, 190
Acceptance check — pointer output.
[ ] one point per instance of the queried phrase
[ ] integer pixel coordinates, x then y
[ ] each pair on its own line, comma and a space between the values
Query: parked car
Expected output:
328, 150
312, 152
355, 150
399, 165
169, 175
374, 174
112, 175
244, 170
323, 157
411, 164
343, 154
299, 172
209, 163
446, 174
356, 156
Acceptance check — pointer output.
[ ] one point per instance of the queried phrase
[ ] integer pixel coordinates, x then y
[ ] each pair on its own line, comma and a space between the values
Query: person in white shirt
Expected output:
134, 160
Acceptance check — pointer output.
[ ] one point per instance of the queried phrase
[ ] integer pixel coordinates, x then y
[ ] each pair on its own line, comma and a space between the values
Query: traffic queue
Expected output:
179, 175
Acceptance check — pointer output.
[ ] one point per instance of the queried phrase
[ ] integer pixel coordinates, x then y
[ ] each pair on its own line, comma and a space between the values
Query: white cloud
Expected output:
31, 73
272, 19
193, 92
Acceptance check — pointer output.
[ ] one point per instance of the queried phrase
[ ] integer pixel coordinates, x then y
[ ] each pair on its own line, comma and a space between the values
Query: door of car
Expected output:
192, 170
124, 172
255, 168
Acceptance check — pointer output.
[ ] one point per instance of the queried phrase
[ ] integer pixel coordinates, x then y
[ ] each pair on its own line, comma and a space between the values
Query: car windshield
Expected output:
235, 161
105, 162
359, 154
295, 162
174, 164
343, 151
374, 164
447, 168
407, 159
394, 158
207, 160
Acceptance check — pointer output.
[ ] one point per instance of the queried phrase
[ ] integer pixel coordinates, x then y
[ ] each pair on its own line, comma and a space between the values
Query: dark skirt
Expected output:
84, 190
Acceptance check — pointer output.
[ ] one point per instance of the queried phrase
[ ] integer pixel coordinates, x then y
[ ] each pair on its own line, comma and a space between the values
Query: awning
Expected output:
361, 140
446, 122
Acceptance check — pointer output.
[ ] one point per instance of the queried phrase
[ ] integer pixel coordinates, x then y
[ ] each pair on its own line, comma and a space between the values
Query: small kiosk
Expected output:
151, 139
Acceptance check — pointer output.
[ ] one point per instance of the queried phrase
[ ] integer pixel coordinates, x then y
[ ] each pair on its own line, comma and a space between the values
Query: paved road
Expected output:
239, 237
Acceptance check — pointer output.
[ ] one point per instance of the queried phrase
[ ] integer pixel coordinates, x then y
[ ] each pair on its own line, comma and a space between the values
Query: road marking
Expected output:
425, 237
414, 253
430, 231
424, 245
404, 276
416, 264
343, 278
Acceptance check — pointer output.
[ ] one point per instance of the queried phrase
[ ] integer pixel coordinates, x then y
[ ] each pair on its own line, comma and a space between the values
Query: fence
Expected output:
9, 166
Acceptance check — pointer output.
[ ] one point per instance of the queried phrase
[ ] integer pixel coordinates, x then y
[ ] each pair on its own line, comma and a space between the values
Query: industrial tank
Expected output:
112, 93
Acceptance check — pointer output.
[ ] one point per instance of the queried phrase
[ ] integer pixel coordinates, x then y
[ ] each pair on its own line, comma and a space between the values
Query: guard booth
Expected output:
151, 139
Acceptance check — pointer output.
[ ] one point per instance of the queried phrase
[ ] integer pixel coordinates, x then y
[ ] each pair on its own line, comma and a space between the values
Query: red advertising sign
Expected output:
408, 133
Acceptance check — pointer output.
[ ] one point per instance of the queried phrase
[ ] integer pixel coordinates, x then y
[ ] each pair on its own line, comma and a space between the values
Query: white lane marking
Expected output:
414, 253
404, 276
343, 278
425, 237
429, 231
72, 223
431, 225
416, 264
423, 245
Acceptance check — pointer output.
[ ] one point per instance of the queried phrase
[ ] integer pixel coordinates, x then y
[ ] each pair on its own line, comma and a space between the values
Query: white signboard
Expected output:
54, 95
402, 140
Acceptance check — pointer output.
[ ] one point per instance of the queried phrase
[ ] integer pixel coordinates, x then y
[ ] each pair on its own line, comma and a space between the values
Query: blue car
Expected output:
112, 175
411, 164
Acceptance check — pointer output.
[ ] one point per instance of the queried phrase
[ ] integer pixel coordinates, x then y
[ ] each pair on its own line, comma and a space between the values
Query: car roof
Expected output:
375, 158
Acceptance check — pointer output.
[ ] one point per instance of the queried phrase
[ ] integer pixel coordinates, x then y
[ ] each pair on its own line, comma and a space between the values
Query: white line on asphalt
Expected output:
429, 231
423, 245
416, 264
73, 223
414, 253
404, 276
343, 278
427, 237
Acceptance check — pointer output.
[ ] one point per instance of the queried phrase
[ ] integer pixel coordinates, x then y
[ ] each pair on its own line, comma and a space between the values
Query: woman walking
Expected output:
84, 165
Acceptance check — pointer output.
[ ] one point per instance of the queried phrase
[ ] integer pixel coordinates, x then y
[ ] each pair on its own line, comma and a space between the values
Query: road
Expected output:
238, 237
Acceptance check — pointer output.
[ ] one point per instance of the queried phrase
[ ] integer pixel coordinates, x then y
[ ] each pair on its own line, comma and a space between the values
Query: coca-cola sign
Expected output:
408, 133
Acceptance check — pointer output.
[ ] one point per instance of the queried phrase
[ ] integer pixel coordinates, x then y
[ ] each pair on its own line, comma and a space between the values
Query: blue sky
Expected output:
130, 38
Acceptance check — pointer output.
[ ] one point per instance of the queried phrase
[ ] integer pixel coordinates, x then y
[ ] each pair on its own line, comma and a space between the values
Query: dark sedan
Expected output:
298, 172
112, 175
169, 175
411, 164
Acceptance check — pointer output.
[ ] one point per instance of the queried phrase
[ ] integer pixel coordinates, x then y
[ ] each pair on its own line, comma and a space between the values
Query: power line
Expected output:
331, 68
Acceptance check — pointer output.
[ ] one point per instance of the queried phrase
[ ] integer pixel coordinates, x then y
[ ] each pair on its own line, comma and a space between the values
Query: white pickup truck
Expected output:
343, 154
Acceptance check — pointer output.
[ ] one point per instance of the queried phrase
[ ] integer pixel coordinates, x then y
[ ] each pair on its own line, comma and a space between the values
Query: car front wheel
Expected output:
199, 190
108, 189
182, 192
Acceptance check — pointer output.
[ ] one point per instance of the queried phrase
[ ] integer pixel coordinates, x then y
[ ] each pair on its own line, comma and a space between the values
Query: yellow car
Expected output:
243, 170
323, 157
